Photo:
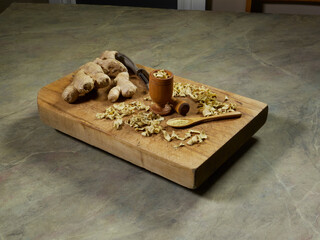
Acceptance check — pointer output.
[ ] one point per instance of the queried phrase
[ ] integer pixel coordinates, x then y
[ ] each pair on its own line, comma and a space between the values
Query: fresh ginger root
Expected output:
88, 76
116, 69
123, 87
98, 74
111, 67
108, 55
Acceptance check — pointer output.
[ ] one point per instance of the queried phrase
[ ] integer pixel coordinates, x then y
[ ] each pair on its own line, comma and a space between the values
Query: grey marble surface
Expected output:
55, 187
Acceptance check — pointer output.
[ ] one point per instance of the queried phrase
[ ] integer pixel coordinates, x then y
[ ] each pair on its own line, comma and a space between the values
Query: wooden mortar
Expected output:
161, 91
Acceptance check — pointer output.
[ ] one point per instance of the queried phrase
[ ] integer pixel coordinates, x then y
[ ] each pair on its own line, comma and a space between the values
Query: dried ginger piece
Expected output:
117, 123
147, 98
181, 144
208, 102
166, 135
174, 135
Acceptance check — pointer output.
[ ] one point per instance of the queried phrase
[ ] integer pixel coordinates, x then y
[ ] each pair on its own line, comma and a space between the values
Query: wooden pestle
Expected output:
180, 106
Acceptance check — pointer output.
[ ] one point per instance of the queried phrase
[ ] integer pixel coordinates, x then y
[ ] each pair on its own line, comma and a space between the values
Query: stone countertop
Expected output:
53, 186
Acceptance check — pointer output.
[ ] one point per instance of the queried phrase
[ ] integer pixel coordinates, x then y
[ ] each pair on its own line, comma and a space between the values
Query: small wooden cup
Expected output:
160, 91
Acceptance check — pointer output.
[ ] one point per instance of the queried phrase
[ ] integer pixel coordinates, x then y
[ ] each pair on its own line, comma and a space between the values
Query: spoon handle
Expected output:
221, 116
189, 121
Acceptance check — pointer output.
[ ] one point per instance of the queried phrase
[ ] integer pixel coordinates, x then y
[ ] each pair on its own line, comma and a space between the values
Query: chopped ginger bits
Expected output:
147, 122
117, 111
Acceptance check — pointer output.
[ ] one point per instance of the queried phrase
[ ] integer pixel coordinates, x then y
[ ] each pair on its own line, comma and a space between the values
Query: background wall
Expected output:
221, 5
6, 3
228, 5
292, 9
239, 6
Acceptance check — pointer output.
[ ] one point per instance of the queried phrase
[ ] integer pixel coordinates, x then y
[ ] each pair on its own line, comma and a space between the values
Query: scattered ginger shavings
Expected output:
207, 100
147, 122
117, 111
199, 137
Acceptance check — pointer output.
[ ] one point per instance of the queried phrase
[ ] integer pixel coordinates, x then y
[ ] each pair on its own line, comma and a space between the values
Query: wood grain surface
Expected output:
189, 166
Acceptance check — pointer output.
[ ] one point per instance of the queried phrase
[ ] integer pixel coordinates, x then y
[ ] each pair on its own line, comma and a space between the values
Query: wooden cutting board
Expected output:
189, 166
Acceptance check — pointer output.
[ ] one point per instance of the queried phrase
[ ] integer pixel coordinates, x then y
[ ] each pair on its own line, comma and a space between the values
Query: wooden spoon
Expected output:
188, 121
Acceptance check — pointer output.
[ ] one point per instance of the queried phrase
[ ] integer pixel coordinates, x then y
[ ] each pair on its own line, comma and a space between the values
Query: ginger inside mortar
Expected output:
161, 74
